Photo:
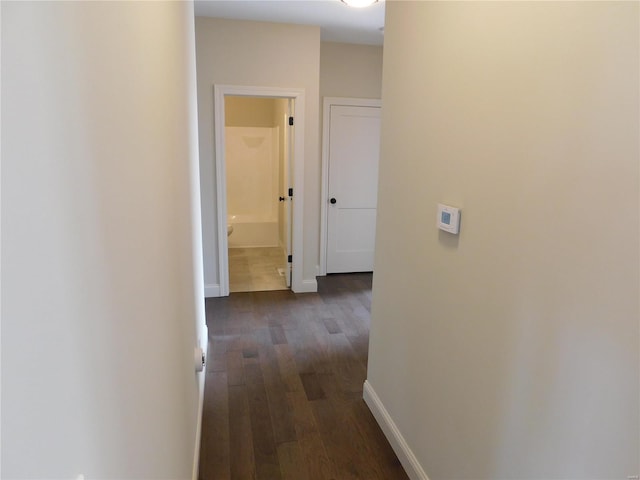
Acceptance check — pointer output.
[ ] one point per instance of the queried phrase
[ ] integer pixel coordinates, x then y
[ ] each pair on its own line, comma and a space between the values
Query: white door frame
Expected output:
297, 181
327, 103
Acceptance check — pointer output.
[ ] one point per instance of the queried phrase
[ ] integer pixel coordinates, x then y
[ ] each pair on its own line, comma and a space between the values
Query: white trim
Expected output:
308, 286
221, 193
256, 246
327, 103
211, 290
298, 95
201, 378
398, 443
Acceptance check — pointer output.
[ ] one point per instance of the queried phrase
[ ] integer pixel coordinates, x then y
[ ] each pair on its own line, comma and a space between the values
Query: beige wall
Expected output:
511, 350
258, 54
249, 112
348, 70
101, 256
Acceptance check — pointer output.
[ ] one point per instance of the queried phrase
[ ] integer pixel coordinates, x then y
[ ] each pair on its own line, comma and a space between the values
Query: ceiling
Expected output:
337, 21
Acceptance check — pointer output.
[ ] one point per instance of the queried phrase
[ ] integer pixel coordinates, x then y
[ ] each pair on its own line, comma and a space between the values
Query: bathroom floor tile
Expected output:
256, 269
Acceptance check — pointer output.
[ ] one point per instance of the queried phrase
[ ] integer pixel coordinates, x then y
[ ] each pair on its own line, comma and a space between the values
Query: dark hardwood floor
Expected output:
283, 390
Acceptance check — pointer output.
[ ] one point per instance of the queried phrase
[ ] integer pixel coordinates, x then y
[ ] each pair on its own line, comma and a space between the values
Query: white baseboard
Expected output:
308, 286
201, 378
390, 430
253, 245
211, 290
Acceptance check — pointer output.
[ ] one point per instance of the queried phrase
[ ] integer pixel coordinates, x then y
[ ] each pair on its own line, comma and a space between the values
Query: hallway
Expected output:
283, 393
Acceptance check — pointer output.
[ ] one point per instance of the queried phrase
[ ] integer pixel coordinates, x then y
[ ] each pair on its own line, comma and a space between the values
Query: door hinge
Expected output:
290, 258
291, 192
290, 120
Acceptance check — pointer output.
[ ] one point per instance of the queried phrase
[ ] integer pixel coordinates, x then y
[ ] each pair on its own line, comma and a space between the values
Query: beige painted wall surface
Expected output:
350, 70
233, 52
249, 112
101, 256
511, 350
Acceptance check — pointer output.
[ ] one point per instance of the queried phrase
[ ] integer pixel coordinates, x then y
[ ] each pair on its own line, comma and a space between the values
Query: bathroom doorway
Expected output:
293, 194
258, 201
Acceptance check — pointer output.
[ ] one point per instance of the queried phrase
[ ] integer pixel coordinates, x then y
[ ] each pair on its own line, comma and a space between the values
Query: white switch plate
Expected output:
448, 218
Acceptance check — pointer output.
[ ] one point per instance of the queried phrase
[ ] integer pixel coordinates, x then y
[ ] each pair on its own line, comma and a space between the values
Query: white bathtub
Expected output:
249, 231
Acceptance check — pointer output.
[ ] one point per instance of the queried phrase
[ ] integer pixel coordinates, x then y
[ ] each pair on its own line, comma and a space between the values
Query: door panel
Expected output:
288, 165
354, 151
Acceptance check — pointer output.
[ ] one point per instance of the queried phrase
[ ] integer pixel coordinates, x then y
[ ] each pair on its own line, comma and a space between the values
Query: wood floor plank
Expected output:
281, 417
233, 336
291, 462
216, 361
235, 367
283, 392
374, 441
312, 387
333, 390
214, 442
344, 442
315, 342
304, 358
314, 452
267, 465
360, 346
288, 368
277, 335
252, 372
345, 365
342, 316
331, 325
242, 463
332, 432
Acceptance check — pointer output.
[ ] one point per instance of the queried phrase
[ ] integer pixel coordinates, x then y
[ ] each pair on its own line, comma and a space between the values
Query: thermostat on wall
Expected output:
448, 219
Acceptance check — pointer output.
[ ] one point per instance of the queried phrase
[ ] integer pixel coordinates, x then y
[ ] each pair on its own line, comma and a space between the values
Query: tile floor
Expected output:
256, 269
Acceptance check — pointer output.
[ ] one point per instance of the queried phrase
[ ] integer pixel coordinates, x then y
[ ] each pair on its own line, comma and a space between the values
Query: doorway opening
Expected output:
258, 213
259, 164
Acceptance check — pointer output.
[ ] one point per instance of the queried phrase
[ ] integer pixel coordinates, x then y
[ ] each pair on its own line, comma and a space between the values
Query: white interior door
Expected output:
288, 155
354, 151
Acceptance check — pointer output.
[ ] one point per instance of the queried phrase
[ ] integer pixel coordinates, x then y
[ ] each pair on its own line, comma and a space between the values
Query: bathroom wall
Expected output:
252, 185
249, 112
253, 142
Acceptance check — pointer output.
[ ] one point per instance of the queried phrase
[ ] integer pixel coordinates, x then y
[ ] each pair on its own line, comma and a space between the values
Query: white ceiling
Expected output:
337, 21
